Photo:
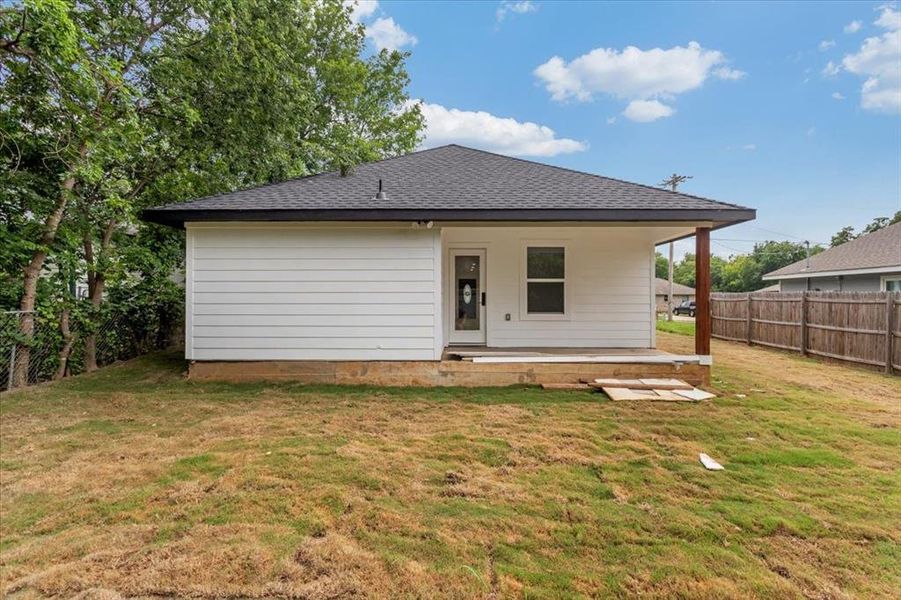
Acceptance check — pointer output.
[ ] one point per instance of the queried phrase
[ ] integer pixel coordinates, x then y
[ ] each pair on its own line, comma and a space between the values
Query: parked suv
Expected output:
686, 308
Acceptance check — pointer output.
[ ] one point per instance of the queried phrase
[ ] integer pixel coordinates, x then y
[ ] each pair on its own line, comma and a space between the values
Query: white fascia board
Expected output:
806, 274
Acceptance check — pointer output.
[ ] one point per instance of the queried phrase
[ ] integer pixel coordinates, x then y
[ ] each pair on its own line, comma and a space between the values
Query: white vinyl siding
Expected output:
609, 292
296, 292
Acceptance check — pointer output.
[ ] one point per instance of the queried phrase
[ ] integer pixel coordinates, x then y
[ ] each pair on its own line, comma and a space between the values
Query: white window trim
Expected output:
883, 281
524, 313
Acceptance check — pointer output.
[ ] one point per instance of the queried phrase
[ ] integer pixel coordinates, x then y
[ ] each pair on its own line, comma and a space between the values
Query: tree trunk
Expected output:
96, 285
68, 343
90, 340
32, 274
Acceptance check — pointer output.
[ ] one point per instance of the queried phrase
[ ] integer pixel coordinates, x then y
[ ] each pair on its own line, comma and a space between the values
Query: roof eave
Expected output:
178, 217
832, 273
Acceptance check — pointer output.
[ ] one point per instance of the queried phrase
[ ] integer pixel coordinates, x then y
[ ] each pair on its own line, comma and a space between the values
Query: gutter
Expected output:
175, 217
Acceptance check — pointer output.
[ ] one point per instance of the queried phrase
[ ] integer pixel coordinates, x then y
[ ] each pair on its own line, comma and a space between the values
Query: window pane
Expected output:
893, 285
545, 297
545, 263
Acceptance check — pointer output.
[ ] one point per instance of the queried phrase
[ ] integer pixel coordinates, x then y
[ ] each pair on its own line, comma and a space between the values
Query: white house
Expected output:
460, 248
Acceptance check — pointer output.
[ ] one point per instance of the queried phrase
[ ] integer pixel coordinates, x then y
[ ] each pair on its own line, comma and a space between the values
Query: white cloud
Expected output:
518, 7
878, 61
361, 9
853, 27
831, 69
728, 73
826, 44
611, 120
838, 96
384, 32
749, 147
889, 18
645, 111
388, 35
636, 75
497, 134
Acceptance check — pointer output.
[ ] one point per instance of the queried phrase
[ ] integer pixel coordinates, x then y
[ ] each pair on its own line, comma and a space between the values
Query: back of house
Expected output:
404, 258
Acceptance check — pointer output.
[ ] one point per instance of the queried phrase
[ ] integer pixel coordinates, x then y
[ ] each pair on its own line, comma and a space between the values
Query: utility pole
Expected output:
672, 182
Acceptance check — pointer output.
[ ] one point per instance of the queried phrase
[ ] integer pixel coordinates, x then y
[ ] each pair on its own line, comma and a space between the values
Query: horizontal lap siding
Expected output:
298, 293
609, 284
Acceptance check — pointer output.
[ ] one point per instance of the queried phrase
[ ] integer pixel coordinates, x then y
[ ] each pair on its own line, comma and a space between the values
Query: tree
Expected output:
845, 234
772, 255
139, 104
661, 266
72, 79
744, 272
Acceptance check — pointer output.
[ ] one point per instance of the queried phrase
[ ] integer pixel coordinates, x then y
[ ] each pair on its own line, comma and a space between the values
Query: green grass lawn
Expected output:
679, 327
136, 482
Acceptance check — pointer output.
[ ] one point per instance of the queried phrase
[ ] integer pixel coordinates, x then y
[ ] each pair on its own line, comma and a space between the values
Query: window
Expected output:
891, 283
545, 281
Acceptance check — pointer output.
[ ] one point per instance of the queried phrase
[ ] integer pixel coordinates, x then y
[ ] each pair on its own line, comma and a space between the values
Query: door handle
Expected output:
483, 298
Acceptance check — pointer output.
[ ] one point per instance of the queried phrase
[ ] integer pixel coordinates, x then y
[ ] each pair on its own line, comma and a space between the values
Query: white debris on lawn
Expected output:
709, 463
695, 394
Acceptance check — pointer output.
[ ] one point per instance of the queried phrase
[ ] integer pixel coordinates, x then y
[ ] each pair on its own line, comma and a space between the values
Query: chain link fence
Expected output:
119, 336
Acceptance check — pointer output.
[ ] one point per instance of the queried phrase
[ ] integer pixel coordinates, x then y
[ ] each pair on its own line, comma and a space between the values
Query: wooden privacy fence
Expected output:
861, 327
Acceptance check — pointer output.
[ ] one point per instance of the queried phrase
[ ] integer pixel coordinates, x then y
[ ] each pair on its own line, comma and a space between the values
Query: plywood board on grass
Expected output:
644, 384
616, 393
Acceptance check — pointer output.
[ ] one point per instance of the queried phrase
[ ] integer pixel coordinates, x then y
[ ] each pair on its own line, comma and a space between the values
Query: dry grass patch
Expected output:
135, 482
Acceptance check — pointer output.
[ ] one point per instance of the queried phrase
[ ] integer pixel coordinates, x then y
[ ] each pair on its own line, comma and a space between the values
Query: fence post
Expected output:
889, 331
804, 323
748, 325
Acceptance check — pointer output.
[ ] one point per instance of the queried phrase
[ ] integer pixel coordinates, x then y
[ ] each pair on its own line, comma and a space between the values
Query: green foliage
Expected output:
108, 108
845, 234
744, 272
661, 266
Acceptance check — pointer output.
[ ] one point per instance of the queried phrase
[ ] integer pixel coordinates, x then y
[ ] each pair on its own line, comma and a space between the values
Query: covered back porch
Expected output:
525, 291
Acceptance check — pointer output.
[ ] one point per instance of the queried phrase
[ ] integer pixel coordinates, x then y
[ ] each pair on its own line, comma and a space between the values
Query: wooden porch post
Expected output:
702, 290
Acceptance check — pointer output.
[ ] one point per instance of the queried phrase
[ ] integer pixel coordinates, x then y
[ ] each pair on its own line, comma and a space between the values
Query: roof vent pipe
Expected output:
381, 195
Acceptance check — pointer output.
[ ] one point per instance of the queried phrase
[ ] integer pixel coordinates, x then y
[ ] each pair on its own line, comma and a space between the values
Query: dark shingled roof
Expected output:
876, 250
452, 183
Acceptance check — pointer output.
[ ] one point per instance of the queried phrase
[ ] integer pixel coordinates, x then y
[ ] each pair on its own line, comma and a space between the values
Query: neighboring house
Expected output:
870, 263
681, 293
461, 247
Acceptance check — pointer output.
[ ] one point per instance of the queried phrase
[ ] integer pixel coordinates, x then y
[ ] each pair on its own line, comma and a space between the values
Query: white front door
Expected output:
467, 297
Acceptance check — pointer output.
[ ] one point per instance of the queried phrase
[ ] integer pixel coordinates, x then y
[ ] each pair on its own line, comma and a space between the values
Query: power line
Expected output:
788, 235
759, 241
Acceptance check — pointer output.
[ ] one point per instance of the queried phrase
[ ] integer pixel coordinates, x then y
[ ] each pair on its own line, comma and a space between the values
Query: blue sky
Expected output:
794, 109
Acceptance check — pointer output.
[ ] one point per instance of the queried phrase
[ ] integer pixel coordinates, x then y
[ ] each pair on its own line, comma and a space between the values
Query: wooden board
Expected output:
616, 393
643, 384
635, 359
695, 394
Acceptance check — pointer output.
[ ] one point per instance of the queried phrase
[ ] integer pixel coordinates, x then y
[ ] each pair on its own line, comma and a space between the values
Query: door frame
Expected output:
474, 338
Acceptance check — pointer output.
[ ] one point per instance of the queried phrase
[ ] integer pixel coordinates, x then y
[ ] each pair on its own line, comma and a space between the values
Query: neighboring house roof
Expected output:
776, 287
453, 183
877, 252
662, 288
